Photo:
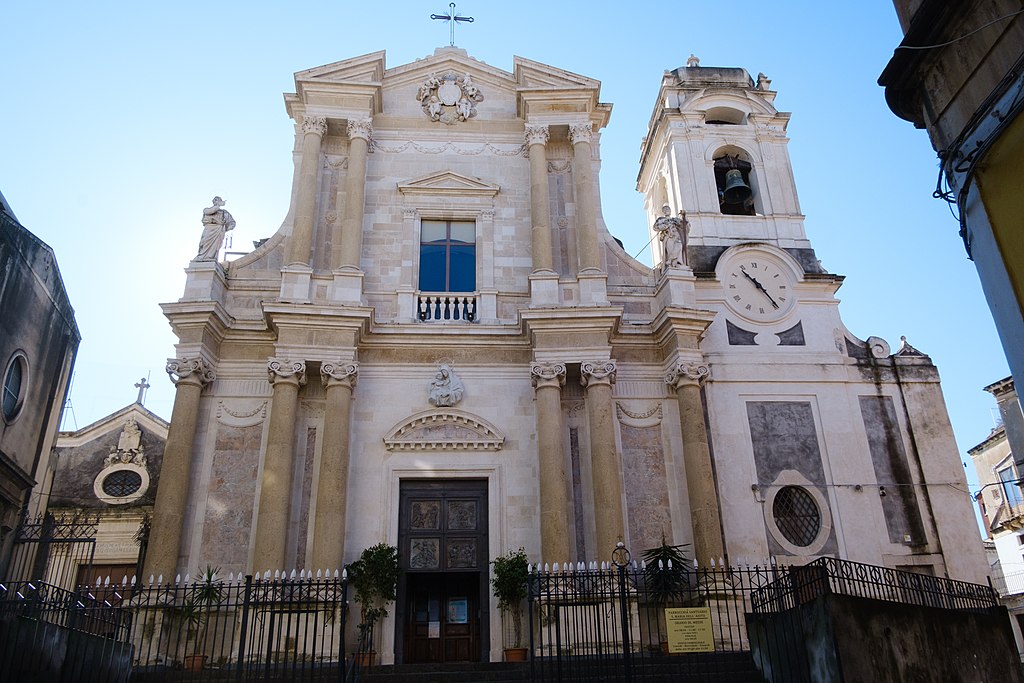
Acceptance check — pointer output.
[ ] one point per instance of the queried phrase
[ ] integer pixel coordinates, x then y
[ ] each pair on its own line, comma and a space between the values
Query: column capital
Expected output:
687, 372
189, 371
360, 128
333, 374
280, 370
547, 375
314, 124
581, 132
598, 372
536, 134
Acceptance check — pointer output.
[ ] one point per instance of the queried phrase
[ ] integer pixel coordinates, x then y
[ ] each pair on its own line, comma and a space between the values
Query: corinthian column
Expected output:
548, 378
586, 201
276, 485
686, 378
313, 130
349, 244
189, 375
332, 482
605, 469
540, 210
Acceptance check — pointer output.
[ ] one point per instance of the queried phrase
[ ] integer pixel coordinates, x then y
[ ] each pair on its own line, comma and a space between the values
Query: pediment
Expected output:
535, 75
444, 430
450, 59
365, 69
148, 420
448, 182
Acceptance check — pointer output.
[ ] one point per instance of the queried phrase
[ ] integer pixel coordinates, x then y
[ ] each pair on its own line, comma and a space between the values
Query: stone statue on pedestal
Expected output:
216, 224
672, 233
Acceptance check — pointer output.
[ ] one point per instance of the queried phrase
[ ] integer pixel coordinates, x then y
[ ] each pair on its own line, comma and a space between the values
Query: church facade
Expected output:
444, 348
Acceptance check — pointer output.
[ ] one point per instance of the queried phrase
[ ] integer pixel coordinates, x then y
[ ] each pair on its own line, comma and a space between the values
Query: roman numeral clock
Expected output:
758, 285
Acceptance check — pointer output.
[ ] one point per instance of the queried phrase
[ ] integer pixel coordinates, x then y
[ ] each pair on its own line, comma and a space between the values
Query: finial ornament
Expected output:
692, 61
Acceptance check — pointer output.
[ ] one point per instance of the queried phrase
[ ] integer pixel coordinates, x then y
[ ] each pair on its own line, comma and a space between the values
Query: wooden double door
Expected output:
442, 601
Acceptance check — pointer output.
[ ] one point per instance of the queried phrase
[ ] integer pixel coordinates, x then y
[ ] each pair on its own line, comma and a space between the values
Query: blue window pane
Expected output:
1011, 490
462, 276
432, 268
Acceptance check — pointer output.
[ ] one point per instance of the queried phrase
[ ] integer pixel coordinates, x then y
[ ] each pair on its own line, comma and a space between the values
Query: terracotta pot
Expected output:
194, 662
365, 658
515, 654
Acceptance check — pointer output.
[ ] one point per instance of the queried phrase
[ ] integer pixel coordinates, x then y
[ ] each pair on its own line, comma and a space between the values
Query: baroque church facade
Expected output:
444, 348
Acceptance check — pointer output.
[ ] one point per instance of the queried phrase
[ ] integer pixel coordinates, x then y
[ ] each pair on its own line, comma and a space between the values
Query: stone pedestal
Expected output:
295, 283
544, 290
347, 287
204, 281
593, 288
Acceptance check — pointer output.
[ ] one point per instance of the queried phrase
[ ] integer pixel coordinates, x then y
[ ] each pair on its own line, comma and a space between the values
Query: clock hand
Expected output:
760, 287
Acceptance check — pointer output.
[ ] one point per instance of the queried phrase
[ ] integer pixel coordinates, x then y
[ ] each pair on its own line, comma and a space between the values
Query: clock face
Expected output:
758, 287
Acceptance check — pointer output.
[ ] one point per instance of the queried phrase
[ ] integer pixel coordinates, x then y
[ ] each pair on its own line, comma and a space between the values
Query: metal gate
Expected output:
53, 548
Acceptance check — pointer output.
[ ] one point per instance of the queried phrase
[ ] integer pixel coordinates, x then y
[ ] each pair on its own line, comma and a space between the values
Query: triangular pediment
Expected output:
450, 59
444, 430
448, 182
115, 422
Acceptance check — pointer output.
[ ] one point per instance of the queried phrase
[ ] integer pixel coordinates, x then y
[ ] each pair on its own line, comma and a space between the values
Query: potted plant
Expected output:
374, 578
510, 583
206, 592
666, 580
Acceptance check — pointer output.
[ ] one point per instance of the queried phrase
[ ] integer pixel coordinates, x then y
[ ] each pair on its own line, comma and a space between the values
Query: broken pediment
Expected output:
448, 182
530, 74
444, 430
363, 69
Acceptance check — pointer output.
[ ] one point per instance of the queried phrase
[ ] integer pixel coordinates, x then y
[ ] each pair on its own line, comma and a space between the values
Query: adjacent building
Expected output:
959, 73
445, 349
38, 343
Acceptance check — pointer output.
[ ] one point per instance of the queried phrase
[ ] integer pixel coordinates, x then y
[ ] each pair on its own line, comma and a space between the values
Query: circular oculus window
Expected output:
121, 484
797, 515
12, 393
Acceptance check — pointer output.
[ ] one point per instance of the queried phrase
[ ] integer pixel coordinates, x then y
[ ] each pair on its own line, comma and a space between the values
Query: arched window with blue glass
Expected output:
447, 256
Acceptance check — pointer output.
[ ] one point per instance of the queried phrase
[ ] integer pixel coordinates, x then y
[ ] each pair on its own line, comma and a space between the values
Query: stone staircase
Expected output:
445, 673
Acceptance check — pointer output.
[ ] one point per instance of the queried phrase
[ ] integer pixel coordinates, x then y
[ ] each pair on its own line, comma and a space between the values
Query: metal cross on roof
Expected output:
452, 17
142, 385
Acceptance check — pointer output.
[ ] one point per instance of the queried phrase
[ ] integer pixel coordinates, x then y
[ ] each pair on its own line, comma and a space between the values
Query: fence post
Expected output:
243, 632
620, 557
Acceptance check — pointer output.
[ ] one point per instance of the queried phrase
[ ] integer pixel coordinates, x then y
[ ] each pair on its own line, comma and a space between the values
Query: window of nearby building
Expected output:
447, 256
1011, 491
13, 390
797, 515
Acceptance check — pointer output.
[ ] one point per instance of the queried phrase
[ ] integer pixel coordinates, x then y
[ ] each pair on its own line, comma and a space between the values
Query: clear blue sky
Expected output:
120, 121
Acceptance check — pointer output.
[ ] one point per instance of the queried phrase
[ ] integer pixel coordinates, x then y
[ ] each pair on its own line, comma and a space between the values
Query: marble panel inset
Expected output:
229, 496
425, 514
424, 553
462, 515
461, 553
646, 492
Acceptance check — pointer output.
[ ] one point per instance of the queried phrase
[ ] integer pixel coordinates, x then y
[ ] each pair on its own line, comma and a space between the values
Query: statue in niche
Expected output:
446, 388
672, 233
216, 224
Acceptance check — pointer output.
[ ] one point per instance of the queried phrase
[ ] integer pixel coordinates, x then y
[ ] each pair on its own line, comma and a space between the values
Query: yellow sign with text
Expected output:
689, 629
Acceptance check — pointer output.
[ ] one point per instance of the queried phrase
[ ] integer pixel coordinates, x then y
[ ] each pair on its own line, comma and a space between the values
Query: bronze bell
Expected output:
736, 191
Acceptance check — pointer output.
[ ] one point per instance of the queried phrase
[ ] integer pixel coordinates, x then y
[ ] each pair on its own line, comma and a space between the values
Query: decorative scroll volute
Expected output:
687, 372
548, 375
332, 374
189, 371
597, 372
280, 370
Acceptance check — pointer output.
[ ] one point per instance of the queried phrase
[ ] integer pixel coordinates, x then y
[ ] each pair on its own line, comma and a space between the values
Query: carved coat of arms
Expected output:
449, 98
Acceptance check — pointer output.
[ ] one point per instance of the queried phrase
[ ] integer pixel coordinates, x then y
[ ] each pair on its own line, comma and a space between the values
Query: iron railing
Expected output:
843, 577
618, 623
53, 548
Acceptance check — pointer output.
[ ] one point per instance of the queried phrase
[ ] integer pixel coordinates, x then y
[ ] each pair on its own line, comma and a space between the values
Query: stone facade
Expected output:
715, 400
38, 343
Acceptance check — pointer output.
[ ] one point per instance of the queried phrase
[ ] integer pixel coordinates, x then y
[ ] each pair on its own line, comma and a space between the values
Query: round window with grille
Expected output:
797, 515
122, 483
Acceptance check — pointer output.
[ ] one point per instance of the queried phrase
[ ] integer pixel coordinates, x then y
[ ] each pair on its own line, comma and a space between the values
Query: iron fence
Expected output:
628, 623
844, 577
53, 548
289, 628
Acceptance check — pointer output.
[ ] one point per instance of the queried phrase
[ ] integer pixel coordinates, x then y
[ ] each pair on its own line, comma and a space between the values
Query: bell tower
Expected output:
716, 148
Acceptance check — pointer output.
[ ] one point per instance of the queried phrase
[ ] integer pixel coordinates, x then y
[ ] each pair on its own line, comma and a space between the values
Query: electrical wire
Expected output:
957, 40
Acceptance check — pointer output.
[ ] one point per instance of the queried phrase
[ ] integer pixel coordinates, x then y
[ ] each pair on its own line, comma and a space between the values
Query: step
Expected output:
468, 672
